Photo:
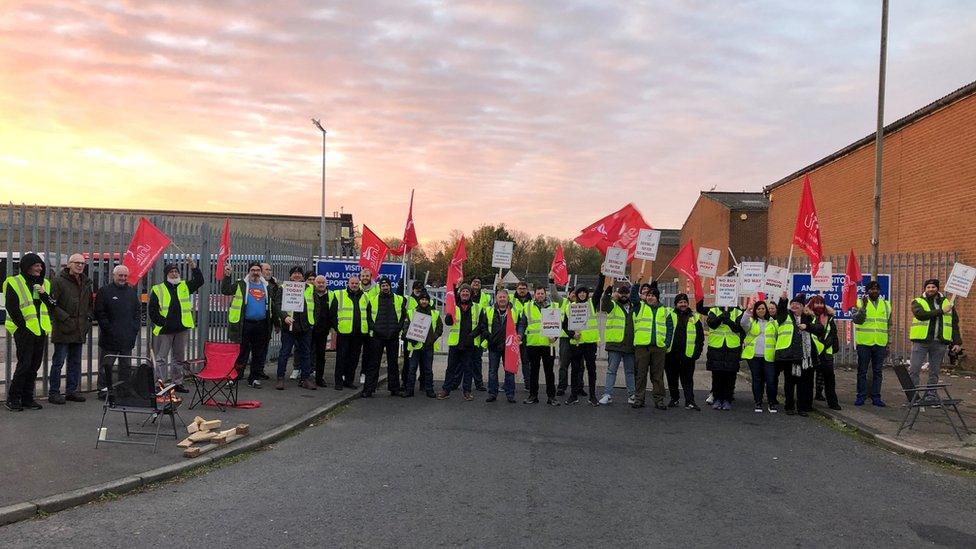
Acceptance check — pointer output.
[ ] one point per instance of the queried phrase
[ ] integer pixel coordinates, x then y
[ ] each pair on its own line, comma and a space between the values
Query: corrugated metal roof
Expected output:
740, 200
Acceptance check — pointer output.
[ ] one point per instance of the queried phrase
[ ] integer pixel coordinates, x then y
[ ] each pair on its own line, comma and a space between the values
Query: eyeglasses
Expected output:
76, 262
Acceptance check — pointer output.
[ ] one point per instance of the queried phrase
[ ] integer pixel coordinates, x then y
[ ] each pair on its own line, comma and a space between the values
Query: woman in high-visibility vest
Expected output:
724, 350
421, 353
826, 344
796, 353
27, 298
759, 351
582, 350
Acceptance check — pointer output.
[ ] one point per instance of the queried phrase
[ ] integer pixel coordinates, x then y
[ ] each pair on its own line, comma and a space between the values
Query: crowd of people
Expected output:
792, 337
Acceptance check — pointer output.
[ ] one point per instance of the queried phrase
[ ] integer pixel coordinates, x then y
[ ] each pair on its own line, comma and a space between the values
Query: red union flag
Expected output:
372, 252
617, 230
224, 252
560, 274
147, 243
806, 235
513, 355
852, 277
409, 241
686, 263
455, 274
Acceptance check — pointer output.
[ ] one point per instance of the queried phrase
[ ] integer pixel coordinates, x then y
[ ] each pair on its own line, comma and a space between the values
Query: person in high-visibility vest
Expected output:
796, 329
483, 301
653, 329
467, 327
618, 335
412, 301
519, 300
824, 380
385, 314
583, 345
27, 298
759, 352
421, 353
496, 319
366, 283
296, 334
323, 324
171, 311
563, 347
934, 330
724, 353
872, 331
686, 346
348, 317
539, 348
249, 319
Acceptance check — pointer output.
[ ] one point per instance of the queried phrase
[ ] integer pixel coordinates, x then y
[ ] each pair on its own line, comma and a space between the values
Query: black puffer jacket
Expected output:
119, 316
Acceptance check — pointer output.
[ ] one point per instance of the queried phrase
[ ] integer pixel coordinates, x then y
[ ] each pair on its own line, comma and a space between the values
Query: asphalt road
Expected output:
397, 472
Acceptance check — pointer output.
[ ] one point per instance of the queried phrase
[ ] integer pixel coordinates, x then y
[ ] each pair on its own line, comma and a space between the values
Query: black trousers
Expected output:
798, 389
580, 355
825, 372
349, 349
254, 347
723, 385
541, 356
319, 340
565, 360
377, 347
679, 368
30, 354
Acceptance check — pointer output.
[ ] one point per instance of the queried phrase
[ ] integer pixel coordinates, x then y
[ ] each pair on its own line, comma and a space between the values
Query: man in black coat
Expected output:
117, 311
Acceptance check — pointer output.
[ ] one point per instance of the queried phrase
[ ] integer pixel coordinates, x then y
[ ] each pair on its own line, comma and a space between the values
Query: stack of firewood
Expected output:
206, 436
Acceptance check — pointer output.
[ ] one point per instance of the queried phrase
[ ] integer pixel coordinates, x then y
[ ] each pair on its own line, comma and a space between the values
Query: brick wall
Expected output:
709, 226
747, 237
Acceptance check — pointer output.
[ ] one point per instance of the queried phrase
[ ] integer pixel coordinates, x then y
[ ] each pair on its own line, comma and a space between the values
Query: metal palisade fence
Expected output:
55, 233
908, 272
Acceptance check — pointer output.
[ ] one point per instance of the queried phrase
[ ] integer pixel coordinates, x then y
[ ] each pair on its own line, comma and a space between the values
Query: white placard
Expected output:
579, 316
647, 244
775, 282
552, 322
960, 280
292, 296
751, 277
501, 256
824, 280
615, 264
708, 261
726, 291
419, 327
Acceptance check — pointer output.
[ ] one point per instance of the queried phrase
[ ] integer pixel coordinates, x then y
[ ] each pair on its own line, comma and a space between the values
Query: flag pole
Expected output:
789, 263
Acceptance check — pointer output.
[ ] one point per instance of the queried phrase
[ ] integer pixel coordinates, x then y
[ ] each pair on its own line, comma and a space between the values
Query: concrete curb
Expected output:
65, 500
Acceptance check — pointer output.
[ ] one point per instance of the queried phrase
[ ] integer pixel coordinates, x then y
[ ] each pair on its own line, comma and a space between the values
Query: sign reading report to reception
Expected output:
647, 244
292, 296
419, 327
552, 320
708, 262
960, 280
501, 256
615, 264
726, 291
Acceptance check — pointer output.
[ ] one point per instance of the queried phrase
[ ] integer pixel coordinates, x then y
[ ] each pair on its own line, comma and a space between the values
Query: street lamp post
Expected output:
322, 220
879, 144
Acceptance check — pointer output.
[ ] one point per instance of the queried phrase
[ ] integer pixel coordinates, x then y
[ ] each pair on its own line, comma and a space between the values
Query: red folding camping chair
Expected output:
215, 375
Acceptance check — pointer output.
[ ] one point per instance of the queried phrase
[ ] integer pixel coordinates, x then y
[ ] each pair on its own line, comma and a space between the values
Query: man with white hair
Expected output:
72, 290
119, 316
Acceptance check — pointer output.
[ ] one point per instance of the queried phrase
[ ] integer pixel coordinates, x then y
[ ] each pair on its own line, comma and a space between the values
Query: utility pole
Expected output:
879, 144
322, 220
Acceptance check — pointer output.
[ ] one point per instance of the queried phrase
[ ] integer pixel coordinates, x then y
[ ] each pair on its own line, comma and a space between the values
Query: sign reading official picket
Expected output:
708, 261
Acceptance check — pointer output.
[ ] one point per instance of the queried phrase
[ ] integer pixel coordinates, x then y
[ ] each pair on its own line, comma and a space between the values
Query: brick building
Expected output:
928, 192
723, 220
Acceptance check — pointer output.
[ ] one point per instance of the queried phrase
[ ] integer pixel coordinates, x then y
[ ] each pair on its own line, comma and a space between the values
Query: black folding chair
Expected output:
926, 396
133, 390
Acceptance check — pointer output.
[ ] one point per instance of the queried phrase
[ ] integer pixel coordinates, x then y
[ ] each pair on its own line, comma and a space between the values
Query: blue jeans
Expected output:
614, 359
422, 359
460, 366
875, 355
495, 360
763, 377
301, 343
71, 351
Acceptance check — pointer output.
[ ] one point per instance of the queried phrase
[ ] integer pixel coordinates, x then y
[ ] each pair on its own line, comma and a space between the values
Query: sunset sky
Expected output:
543, 115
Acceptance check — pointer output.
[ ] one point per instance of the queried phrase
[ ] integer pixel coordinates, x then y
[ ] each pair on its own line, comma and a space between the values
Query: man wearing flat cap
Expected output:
171, 312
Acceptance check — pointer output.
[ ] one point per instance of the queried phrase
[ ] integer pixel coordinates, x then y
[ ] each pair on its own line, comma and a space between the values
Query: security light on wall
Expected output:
743, 216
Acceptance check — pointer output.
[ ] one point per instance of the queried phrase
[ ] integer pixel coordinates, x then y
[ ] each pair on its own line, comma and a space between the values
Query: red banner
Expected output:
372, 252
147, 244
560, 274
409, 241
851, 279
455, 274
617, 230
686, 263
224, 252
806, 234
513, 355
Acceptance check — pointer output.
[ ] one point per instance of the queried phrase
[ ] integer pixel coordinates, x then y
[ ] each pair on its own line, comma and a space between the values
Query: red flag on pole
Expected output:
617, 230
372, 252
409, 241
224, 252
560, 274
455, 274
686, 263
147, 244
806, 235
513, 355
852, 278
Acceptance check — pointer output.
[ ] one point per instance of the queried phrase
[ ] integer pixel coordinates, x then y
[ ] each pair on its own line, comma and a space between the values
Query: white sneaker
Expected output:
631, 399
294, 374
607, 399
710, 399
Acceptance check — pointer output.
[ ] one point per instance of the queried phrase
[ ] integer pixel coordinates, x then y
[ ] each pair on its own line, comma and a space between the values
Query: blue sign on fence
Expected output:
337, 271
800, 282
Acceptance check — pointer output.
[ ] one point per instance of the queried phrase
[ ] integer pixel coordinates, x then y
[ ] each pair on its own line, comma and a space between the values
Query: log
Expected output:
201, 436
243, 429
198, 420
197, 450
192, 427
210, 425
185, 443
221, 437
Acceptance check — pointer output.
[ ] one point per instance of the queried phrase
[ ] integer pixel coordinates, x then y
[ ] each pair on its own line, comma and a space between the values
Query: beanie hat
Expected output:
170, 267
680, 297
799, 298
296, 269
582, 289
253, 264
418, 285
934, 281
423, 295
873, 285
384, 280
464, 286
